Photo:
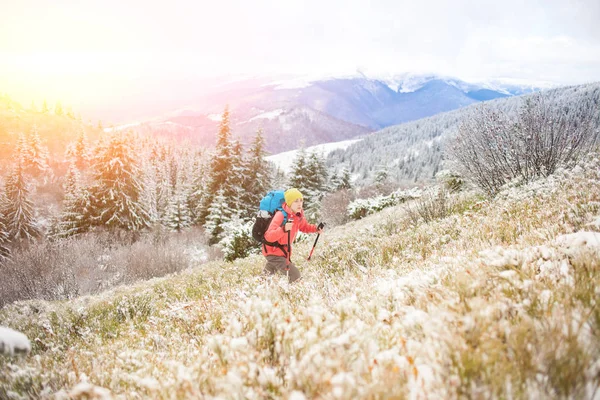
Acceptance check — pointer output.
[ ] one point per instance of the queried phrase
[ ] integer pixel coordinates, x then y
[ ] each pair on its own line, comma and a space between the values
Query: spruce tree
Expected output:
35, 155
316, 185
18, 208
220, 167
199, 188
178, 216
116, 193
299, 175
159, 174
258, 178
345, 180
234, 187
222, 160
75, 217
4, 250
217, 218
78, 152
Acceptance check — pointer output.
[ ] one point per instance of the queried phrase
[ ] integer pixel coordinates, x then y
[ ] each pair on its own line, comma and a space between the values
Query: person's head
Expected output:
294, 200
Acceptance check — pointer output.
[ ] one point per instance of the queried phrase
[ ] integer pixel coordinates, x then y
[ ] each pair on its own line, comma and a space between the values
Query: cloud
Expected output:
72, 48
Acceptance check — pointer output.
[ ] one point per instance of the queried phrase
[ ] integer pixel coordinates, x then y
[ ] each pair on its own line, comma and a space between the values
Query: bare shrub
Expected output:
493, 148
334, 206
93, 262
432, 205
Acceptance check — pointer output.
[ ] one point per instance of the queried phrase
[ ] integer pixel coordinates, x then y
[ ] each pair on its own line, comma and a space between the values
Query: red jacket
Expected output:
276, 233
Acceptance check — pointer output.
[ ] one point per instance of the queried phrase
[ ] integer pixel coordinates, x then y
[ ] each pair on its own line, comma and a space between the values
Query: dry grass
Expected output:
496, 300
94, 262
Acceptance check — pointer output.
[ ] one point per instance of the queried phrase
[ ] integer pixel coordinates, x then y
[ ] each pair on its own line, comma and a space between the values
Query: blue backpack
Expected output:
269, 205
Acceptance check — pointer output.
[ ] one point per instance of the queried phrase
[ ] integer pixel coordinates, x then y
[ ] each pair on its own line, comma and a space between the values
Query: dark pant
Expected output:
277, 264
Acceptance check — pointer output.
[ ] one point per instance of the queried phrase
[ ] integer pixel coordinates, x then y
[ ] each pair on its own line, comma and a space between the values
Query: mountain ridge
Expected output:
346, 107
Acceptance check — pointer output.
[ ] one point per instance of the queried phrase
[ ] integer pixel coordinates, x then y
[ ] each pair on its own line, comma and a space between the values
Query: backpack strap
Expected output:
277, 244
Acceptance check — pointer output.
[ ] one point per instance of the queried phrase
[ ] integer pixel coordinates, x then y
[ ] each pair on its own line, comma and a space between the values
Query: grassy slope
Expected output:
485, 303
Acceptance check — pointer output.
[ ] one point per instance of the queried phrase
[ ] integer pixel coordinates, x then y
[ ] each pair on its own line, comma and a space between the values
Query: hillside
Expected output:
413, 151
497, 300
319, 110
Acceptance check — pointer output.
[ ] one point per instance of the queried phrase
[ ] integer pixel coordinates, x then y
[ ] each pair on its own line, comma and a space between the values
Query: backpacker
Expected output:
269, 205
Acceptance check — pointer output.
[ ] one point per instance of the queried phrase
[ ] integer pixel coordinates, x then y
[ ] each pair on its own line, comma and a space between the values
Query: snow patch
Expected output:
285, 160
13, 342
268, 115
121, 127
215, 117
580, 240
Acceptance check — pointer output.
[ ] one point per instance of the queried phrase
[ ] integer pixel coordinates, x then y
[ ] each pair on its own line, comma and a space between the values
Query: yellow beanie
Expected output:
292, 195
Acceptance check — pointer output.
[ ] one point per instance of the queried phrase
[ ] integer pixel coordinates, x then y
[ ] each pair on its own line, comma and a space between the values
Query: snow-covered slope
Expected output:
285, 160
496, 300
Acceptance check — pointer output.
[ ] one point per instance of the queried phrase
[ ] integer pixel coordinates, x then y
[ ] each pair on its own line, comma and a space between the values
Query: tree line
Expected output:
128, 184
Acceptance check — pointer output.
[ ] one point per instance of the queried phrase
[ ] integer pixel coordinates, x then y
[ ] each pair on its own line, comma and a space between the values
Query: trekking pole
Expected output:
321, 226
287, 268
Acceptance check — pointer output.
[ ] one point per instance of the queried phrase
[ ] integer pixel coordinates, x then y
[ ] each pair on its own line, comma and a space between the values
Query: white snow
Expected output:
292, 84
13, 342
580, 240
121, 127
595, 223
284, 160
268, 115
215, 117
89, 391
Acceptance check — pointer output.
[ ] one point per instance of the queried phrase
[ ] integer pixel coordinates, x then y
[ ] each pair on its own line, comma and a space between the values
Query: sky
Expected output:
97, 55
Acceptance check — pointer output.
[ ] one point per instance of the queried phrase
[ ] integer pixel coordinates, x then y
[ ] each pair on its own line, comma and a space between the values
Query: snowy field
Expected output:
497, 300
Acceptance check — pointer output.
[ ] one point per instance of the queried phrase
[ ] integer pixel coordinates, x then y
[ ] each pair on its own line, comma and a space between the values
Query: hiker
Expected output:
279, 257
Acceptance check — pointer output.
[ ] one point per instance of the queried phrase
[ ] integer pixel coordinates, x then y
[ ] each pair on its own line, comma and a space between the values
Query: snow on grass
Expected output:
13, 342
268, 115
285, 160
492, 301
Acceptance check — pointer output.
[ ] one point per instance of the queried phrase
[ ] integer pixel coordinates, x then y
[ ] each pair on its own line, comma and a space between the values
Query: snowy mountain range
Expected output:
318, 110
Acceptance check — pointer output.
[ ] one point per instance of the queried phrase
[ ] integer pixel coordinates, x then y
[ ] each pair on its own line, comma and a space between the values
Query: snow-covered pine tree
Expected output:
4, 251
345, 180
234, 185
115, 194
258, 179
381, 177
35, 155
316, 173
75, 217
219, 214
198, 187
78, 151
159, 175
17, 207
220, 166
177, 217
299, 177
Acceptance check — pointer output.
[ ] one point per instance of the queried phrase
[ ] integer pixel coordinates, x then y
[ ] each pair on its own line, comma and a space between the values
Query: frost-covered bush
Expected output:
452, 180
93, 262
334, 207
238, 241
434, 204
360, 208
493, 148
